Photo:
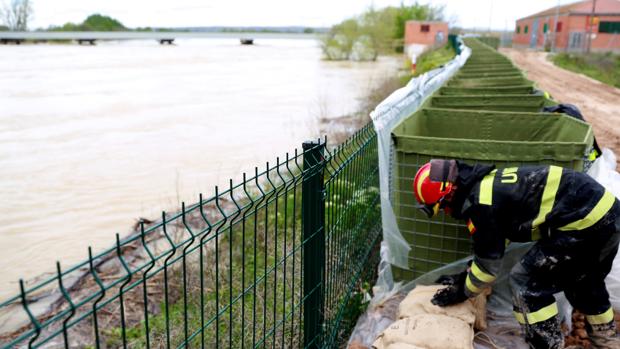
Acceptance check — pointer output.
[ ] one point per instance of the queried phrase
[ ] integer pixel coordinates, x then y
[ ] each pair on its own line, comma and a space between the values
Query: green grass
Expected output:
604, 67
432, 59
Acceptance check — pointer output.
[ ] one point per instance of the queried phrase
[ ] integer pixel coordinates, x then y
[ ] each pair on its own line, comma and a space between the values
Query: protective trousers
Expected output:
577, 263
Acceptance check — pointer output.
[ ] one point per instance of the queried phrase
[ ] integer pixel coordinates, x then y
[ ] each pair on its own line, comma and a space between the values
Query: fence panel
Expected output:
252, 267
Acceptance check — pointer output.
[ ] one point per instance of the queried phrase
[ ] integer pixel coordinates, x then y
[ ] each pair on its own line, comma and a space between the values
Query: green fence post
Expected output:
313, 227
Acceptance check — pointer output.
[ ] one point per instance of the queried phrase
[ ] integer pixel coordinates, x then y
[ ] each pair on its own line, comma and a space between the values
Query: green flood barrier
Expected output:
489, 74
494, 57
488, 60
514, 90
487, 66
497, 69
487, 82
515, 103
504, 139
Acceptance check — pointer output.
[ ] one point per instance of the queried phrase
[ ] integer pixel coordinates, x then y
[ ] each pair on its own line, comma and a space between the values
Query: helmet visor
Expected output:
430, 210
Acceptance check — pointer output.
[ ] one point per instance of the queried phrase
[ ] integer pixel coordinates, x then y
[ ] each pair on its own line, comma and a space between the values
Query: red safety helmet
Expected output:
429, 193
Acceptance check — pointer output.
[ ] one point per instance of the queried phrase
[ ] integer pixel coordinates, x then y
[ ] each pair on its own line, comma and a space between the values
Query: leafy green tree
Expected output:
375, 31
99, 22
95, 22
415, 12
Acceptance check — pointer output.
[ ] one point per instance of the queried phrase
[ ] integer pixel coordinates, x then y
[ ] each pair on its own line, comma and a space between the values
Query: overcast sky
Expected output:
318, 13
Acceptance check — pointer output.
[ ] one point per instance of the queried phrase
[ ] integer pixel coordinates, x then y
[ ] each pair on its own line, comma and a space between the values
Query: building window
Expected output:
545, 28
609, 27
558, 27
525, 30
425, 28
518, 29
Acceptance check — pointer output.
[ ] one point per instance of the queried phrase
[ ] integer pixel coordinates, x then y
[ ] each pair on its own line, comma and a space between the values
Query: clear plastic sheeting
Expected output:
399, 105
603, 170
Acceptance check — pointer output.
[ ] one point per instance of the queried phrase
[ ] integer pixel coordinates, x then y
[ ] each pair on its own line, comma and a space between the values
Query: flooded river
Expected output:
91, 138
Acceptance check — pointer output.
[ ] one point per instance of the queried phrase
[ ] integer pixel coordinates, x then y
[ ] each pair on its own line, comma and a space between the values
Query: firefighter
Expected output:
573, 219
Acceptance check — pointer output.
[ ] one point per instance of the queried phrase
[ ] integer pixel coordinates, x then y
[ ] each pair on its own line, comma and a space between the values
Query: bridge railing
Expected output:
274, 261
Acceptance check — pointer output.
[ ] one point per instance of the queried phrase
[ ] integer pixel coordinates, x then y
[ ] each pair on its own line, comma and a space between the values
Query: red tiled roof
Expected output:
602, 7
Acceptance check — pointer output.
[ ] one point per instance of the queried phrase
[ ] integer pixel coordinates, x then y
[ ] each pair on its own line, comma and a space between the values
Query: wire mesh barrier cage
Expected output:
274, 261
505, 102
474, 91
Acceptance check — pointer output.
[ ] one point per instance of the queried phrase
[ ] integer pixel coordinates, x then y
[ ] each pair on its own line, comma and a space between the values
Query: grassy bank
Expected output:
604, 67
432, 59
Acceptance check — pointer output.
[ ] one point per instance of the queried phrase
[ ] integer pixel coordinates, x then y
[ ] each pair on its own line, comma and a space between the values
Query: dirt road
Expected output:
599, 103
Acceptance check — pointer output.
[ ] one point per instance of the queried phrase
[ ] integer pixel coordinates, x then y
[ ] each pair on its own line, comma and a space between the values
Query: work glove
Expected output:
454, 293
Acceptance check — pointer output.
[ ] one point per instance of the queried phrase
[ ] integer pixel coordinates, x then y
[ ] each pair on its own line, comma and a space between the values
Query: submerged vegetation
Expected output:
375, 32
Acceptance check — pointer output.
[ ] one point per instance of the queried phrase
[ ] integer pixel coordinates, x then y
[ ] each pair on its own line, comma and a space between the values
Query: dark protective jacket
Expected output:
521, 204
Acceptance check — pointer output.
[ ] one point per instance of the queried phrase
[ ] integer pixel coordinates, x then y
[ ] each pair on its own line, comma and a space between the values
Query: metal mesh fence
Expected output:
275, 261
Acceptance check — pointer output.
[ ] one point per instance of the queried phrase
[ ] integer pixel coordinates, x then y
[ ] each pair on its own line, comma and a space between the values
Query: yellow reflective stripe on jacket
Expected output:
480, 275
548, 198
593, 155
540, 315
520, 318
603, 318
486, 189
471, 287
601, 208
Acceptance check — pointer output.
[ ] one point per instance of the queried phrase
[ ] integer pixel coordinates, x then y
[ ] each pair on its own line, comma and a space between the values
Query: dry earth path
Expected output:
599, 102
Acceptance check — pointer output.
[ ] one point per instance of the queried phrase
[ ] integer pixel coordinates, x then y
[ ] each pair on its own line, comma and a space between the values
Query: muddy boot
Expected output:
545, 334
604, 336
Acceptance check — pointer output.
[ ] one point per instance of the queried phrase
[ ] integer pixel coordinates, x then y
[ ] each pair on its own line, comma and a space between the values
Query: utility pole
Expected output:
555, 28
590, 26
490, 16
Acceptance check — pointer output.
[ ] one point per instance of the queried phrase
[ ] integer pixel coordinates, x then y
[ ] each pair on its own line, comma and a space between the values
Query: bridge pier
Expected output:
6, 41
166, 41
86, 41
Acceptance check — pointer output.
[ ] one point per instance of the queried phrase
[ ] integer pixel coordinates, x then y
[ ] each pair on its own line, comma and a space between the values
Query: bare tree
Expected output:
16, 14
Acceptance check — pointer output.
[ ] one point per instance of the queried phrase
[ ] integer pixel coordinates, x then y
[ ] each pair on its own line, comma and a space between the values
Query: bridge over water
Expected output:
162, 37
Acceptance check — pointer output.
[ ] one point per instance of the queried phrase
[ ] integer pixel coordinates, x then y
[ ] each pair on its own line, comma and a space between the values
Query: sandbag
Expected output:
418, 301
427, 331
402, 346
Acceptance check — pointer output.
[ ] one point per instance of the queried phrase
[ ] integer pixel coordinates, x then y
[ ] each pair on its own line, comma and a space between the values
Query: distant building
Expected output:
420, 35
537, 31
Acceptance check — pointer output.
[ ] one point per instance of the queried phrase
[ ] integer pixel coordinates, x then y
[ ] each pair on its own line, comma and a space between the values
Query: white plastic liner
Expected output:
386, 116
604, 171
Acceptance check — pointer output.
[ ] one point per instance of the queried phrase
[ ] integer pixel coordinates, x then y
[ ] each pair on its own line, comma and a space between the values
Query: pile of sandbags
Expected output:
423, 325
